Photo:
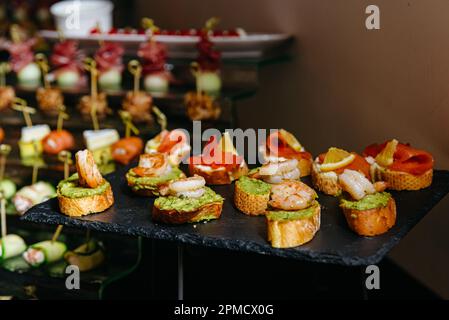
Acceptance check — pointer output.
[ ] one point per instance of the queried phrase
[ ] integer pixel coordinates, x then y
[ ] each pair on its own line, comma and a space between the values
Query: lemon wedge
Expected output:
291, 140
335, 159
226, 145
385, 157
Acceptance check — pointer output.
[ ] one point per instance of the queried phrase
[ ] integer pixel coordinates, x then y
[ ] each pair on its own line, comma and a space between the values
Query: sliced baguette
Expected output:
304, 166
398, 180
371, 222
218, 177
326, 182
293, 233
206, 212
77, 207
250, 204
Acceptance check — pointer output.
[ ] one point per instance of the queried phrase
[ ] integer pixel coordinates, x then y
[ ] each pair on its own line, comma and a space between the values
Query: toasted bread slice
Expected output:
218, 176
326, 182
293, 233
304, 166
398, 180
206, 212
77, 207
371, 222
251, 203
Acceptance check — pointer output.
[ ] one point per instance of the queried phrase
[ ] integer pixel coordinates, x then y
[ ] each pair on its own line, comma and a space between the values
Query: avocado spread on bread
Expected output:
71, 189
281, 215
181, 204
149, 182
253, 186
371, 201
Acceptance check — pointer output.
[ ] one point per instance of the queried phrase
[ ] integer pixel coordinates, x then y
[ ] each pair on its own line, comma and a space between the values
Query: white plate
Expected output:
252, 45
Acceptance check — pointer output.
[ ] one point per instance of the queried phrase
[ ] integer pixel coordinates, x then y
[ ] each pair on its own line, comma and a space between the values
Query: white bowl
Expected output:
78, 17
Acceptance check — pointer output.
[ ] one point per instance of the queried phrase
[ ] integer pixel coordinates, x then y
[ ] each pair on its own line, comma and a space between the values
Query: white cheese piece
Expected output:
35, 133
100, 139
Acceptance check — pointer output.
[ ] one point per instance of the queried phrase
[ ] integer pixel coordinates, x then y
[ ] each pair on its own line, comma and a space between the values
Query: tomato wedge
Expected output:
278, 147
406, 158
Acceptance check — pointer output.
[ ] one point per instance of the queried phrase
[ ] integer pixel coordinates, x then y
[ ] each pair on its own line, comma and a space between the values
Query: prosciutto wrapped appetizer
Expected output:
22, 62
109, 59
67, 59
154, 56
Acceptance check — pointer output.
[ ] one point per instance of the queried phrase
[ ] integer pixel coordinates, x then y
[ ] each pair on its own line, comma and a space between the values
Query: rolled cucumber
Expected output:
88, 256
8, 188
44, 252
11, 245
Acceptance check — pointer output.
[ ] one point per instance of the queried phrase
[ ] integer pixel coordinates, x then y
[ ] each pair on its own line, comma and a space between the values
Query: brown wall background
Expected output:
349, 87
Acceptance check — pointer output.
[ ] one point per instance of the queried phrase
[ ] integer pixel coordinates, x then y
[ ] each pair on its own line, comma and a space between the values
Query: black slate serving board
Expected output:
334, 243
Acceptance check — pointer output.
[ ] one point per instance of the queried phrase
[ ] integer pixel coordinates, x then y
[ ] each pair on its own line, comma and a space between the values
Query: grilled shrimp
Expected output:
291, 195
356, 184
88, 174
192, 187
154, 164
173, 143
276, 172
277, 168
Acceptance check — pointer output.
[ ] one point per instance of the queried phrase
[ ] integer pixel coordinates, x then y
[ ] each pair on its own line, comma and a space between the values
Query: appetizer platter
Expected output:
248, 45
268, 209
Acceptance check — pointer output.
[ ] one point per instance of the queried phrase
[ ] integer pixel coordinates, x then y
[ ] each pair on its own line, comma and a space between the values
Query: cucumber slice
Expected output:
52, 251
16, 264
11, 245
8, 187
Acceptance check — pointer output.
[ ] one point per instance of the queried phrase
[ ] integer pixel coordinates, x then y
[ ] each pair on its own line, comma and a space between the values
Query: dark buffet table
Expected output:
333, 244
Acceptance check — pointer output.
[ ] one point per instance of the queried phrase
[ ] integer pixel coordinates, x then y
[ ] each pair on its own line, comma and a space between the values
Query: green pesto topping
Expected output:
281, 215
151, 183
253, 186
185, 204
71, 189
371, 201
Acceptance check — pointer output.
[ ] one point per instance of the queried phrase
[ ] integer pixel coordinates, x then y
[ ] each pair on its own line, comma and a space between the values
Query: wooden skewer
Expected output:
195, 70
35, 164
5, 150
150, 27
135, 69
62, 115
21, 105
4, 69
211, 23
66, 157
161, 118
3, 213
127, 121
42, 62
57, 233
91, 66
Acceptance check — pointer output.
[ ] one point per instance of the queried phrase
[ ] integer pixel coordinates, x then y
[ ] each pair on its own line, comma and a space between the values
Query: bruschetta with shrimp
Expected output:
327, 166
152, 175
368, 209
188, 200
293, 214
252, 192
86, 191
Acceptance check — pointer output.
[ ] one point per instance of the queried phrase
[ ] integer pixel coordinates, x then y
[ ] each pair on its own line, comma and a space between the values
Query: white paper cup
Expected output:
78, 17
